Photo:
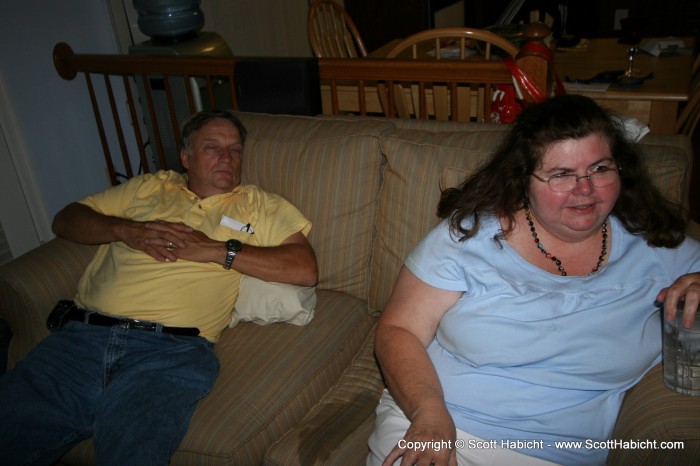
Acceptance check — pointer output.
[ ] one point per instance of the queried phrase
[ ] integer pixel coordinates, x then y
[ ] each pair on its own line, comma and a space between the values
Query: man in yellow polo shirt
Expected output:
132, 354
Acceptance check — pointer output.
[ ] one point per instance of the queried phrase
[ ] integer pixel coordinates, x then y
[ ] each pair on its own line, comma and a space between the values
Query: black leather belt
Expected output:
94, 318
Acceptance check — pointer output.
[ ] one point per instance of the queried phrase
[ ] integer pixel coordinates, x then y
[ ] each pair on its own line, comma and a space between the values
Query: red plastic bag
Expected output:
505, 107
506, 103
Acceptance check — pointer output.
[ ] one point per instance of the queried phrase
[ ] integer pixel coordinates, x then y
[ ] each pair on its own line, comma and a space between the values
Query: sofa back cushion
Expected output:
422, 163
331, 170
668, 158
416, 162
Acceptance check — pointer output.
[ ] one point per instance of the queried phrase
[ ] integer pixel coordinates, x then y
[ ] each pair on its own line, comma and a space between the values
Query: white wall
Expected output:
260, 27
53, 117
250, 27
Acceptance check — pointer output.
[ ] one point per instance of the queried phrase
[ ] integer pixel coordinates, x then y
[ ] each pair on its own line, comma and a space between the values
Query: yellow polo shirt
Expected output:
124, 282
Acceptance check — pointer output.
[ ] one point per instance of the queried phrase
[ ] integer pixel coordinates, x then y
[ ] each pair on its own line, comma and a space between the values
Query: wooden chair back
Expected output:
473, 99
690, 114
454, 43
332, 33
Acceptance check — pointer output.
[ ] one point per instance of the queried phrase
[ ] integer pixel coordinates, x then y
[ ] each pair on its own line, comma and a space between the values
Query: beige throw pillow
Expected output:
453, 177
264, 302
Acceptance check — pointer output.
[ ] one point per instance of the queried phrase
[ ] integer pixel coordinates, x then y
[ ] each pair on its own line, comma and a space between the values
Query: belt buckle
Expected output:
139, 325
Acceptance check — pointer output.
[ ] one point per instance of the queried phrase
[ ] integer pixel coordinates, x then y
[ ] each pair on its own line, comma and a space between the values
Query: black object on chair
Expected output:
278, 85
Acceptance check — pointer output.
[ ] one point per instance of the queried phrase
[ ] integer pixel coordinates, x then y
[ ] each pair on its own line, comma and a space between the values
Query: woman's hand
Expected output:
430, 440
687, 288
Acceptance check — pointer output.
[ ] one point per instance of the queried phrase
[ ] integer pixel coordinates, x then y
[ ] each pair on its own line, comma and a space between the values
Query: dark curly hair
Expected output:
501, 186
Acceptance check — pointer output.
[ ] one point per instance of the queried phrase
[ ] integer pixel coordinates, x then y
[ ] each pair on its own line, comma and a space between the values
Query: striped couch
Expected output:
306, 395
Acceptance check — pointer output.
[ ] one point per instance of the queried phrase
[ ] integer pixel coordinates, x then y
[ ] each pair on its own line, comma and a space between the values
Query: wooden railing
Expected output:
366, 86
133, 76
458, 89
180, 85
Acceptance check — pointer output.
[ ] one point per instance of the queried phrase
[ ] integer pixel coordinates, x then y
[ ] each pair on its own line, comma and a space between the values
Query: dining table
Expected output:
654, 101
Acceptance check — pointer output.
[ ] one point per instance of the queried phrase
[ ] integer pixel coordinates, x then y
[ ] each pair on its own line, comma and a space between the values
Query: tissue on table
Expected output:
657, 46
634, 129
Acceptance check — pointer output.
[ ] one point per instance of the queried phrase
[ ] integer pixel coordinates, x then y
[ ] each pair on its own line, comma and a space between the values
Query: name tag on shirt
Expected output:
236, 225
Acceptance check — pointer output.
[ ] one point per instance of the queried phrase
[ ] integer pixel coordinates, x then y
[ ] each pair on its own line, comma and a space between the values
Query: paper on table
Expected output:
658, 46
634, 129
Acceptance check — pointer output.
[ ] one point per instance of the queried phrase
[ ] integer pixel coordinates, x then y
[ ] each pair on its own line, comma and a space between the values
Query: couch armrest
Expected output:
31, 285
336, 430
653, 412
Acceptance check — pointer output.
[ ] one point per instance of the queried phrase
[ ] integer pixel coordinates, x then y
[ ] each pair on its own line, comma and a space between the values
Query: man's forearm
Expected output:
292, 262
80, 223
287, 263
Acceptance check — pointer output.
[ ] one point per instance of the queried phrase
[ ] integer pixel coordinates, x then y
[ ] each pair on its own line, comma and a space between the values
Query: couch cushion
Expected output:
416, 163
331, 169
652, 412
445, 126
336, 430
286, 370
669, 159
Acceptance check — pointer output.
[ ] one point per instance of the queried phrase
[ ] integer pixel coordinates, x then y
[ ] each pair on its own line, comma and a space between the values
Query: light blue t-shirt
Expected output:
530, 355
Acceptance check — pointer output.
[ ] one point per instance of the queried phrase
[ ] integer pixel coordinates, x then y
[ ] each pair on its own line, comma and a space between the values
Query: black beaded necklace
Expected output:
603, 248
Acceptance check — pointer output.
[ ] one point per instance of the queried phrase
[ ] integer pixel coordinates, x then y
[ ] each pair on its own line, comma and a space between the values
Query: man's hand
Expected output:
160, 240
192, 245
80, 223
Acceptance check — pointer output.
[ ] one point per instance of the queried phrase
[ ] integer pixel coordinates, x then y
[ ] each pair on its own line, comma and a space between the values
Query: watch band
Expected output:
230, 256
232, 247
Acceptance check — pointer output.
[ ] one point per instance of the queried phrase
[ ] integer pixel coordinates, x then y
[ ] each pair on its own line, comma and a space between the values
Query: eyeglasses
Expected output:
600, 178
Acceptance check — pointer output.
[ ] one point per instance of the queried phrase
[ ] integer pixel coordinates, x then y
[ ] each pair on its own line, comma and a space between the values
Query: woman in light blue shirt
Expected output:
519, 322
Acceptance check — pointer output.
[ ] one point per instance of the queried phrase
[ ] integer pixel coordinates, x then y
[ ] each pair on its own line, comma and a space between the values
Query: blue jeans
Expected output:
133, 391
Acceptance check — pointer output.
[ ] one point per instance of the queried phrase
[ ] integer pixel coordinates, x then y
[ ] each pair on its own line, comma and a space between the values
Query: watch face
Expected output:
234, 245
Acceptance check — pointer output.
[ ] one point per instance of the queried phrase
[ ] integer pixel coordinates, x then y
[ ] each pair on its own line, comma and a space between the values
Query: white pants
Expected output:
392, 424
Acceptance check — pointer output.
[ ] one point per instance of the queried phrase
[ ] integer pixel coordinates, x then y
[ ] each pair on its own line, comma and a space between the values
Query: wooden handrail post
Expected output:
536, 67
62, 56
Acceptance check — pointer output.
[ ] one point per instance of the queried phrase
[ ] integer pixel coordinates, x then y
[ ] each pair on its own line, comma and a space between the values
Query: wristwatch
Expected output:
232, 247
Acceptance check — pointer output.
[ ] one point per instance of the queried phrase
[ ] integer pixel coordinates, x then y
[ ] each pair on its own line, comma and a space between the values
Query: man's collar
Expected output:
180, 180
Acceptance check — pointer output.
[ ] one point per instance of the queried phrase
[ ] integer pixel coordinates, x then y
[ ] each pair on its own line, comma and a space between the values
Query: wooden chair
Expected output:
332, 33
473, 102
690, 115
456, 43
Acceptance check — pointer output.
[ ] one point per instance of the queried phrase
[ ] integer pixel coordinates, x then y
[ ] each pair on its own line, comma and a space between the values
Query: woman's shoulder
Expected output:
488, 226
630, 245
